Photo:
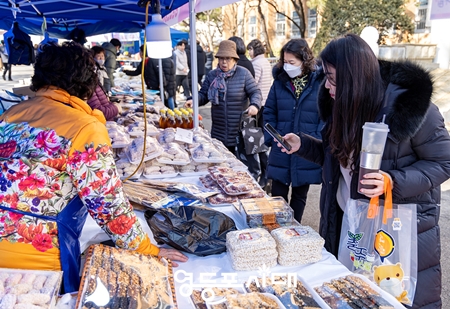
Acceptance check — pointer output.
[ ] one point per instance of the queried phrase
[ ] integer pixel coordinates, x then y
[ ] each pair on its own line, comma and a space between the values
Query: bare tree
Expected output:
232, 18
299, 8
213, 25
264, 29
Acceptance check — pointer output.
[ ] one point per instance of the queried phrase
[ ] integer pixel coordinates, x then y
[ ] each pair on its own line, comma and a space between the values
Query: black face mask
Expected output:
118, 53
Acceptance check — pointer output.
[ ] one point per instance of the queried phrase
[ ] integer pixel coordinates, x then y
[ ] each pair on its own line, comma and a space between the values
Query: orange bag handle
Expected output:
375, 202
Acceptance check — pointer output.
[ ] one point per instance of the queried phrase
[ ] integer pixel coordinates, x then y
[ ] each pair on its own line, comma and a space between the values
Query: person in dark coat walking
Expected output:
201, 61
231, 89
6, 65
360, 89
241, 50
151, 76
209, 59
111, 50
292, 107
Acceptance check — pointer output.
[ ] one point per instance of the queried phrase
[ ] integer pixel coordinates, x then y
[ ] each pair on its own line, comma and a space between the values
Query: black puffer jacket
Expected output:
417, 156
151, 74
241, 88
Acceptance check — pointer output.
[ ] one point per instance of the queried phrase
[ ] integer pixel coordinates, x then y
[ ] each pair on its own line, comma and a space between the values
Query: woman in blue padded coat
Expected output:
292, 107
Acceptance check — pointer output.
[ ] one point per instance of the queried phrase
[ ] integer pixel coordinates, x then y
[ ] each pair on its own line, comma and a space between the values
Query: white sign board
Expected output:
440, 9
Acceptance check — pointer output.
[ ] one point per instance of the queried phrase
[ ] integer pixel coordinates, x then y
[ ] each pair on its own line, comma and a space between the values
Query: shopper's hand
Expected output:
377, 180
252, 110
293, 140
173, 255
188, 103
119, 107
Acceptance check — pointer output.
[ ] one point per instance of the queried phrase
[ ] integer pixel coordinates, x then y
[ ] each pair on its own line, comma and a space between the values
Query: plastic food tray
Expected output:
147, 158
52, 289
193, 174
159, 176
172, 162
266, 211
123, 278
386, 296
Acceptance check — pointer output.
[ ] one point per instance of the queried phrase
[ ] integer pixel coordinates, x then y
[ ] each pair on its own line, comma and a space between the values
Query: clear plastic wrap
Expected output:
22, 288
268, 211
124, 279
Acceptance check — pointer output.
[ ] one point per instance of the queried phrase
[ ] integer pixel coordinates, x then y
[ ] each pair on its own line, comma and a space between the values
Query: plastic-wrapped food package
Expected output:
28, 289
351, 292
154, 169
297, 245
120, 278
268, 211
250, 249
291, 292
135, 150
173, 153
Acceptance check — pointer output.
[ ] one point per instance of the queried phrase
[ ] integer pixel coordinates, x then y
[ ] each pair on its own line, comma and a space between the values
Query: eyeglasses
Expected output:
225, 59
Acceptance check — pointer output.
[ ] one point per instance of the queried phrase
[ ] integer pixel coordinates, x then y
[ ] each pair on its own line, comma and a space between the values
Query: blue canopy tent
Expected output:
64, 16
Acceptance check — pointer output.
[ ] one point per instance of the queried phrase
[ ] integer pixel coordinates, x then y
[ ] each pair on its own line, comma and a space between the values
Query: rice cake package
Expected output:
267, 212
25, 288
298, 245
250, 249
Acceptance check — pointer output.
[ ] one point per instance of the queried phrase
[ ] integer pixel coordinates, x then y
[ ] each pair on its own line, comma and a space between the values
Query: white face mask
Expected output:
100, 62
292, 70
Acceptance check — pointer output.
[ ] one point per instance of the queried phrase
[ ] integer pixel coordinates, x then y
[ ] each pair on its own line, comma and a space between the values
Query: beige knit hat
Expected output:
227, 48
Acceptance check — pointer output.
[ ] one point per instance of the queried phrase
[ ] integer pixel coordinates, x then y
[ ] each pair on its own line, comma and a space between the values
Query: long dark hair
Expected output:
358, 97
300, 49
69, 66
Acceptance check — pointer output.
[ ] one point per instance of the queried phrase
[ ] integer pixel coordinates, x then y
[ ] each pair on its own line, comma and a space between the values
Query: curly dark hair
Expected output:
240, 45
257, 46
69, 66
300, 49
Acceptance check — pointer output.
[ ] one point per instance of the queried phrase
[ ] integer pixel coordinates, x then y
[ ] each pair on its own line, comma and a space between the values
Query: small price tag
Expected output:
185, 136
396, 224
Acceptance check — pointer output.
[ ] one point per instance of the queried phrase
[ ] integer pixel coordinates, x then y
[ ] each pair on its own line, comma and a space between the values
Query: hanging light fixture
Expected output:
157, 33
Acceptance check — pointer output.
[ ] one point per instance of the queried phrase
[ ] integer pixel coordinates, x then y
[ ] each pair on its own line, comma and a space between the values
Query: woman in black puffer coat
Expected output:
416, 157
151, 77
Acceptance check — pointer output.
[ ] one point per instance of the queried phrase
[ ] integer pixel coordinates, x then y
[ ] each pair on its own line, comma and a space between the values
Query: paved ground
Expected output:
441, 97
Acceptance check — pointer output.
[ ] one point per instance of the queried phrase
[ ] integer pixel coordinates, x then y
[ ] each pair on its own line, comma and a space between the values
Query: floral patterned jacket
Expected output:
52, 148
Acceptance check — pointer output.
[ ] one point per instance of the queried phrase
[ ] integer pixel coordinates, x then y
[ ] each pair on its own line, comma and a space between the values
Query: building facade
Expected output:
274, 23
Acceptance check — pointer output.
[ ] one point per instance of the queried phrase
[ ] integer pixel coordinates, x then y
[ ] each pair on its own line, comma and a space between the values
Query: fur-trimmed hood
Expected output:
408, 90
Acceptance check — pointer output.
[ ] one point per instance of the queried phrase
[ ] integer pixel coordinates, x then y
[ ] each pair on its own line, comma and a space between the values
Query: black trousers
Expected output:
183, 80
7, 69
298, 197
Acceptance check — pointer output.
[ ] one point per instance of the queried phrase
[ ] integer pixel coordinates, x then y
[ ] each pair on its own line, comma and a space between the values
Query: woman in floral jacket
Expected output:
57, 166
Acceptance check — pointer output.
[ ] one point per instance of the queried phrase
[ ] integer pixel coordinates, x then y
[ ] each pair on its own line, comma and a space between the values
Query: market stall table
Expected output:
216, 270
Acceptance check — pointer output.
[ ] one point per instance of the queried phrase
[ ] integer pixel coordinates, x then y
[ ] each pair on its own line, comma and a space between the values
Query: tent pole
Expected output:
194, 75
161, 80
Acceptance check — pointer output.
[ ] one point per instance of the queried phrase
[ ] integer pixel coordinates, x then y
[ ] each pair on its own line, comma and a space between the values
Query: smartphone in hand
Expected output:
277, 136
